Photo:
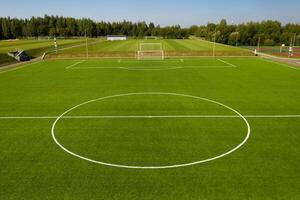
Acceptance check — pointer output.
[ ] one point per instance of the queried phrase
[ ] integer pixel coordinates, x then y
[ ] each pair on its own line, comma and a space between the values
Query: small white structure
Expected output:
116, 37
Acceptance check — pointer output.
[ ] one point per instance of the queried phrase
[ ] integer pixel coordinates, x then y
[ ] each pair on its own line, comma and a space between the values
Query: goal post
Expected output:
148, 51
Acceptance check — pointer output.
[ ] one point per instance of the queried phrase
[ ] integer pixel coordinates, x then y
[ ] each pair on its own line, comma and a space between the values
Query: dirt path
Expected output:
291, 61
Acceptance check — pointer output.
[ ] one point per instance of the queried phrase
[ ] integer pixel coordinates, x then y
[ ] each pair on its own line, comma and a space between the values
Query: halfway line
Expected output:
152, 117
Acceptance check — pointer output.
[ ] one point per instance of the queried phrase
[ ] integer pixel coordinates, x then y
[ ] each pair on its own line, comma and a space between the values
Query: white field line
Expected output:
30, 117
75, 46
272, 116
210, 57
96, 68
279, 63
221, 66
173, 57
19, 67
151, 116
124, 61
156, 68
151, 167
132, 57
73, 65
228, 63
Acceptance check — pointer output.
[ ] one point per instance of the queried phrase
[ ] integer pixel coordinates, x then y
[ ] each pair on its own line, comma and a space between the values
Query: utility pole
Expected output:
258, 44
294, 42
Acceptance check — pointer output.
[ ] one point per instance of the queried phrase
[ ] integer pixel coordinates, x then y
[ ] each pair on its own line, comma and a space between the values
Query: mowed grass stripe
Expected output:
195, 46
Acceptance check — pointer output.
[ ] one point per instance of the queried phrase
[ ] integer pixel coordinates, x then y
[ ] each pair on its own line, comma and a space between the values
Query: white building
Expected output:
116, 37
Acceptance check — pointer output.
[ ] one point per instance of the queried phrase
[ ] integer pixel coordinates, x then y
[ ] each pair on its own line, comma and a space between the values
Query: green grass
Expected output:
34, 167
103, 48
173, 47
34, 48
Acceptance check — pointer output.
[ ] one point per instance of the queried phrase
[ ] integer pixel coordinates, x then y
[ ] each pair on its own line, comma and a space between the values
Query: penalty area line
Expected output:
75, 64
225, 62
156, 68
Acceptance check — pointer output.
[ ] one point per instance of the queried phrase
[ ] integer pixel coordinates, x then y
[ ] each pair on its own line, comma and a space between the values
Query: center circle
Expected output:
86, 158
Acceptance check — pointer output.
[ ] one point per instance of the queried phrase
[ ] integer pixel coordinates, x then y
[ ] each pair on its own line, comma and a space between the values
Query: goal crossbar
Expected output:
152, 46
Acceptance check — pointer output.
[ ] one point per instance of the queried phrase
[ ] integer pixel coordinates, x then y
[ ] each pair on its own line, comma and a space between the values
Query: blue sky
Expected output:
164, 12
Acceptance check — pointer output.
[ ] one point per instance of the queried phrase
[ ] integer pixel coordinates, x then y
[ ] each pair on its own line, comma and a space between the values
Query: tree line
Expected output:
250, 33
268, 33
11, 28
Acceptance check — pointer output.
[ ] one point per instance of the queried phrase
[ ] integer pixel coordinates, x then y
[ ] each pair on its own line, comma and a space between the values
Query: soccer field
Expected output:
35, 48
172, 48
190, 128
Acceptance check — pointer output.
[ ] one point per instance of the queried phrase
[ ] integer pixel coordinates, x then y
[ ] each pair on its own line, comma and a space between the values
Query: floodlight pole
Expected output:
86, 46
294, 42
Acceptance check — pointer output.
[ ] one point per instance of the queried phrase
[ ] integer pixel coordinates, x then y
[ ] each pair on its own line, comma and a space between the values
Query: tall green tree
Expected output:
6, 28
1, 32
268, 32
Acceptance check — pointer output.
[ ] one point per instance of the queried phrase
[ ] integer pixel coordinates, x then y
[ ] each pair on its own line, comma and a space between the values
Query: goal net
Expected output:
150, 51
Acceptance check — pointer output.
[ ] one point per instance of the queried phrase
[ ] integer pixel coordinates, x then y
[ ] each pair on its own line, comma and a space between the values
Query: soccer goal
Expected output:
150, 51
